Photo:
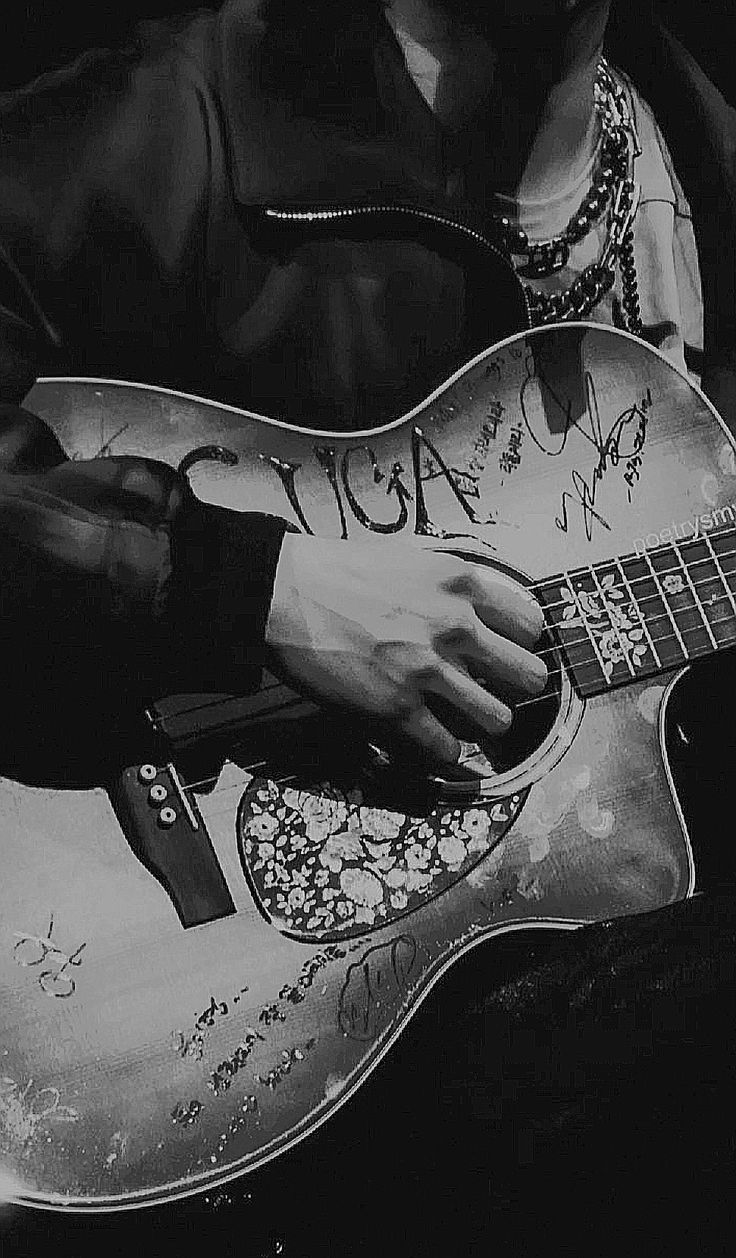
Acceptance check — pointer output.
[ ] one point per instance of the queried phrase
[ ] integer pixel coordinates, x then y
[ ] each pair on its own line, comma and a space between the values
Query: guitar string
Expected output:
726, 531
598, 570
554, 651
536, 699
693, 652
587, 570
294, 700
697, 605
720, 577
668, 637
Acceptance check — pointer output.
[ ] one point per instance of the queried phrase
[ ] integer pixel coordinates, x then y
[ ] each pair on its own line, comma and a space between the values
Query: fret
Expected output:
666, 592
583, 596
577, 643
693, 631
599, 629
724, 549
651, 607
632, 597
695, 596
721, 576
605, 594
636, 616
631, 612
714, 599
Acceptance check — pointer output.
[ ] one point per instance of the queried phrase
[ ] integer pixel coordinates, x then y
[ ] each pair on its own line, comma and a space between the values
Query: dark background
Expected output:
40, 36
481, 1133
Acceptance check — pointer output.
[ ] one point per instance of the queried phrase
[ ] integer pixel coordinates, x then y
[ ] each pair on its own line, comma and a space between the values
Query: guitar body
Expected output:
151, 1047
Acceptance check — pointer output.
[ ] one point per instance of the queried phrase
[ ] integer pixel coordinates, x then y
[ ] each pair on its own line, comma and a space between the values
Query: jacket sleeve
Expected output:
113, 576
117, 586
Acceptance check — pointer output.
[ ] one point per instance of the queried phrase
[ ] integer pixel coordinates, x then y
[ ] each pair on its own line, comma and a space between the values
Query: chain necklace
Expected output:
613, 190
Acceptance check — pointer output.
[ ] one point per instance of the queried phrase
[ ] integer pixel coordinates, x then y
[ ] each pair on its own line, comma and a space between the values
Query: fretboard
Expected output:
640, 615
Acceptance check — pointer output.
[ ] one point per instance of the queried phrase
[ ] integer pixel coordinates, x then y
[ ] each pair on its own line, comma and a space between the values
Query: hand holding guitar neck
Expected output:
391, 638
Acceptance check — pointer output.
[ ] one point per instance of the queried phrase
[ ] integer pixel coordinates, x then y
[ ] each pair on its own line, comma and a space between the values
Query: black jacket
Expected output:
134, 246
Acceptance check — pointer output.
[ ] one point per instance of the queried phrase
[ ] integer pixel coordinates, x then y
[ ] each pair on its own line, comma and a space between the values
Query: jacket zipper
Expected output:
330, 214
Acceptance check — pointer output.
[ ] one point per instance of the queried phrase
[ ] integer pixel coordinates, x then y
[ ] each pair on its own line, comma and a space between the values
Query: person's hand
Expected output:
387, 632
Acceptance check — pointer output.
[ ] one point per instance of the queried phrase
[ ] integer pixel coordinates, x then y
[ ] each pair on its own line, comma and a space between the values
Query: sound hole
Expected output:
533, 722
488, 758
494, 758
299, 741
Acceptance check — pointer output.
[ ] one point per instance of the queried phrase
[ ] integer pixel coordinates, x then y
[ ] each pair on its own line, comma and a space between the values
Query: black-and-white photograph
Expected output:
367, 590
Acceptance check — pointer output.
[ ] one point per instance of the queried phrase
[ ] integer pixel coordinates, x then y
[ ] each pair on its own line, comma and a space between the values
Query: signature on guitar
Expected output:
622, 443
383, 972
32, 950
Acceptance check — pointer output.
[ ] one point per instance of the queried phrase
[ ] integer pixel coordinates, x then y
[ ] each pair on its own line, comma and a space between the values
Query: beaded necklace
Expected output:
613, 190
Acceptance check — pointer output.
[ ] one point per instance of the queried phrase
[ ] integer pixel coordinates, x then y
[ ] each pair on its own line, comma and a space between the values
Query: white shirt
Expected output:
664, 242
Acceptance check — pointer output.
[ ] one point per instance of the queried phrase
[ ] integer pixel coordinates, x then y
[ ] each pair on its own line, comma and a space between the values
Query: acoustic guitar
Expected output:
205, 949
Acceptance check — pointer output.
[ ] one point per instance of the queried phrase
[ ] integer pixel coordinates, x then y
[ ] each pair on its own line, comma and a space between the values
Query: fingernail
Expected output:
536, 615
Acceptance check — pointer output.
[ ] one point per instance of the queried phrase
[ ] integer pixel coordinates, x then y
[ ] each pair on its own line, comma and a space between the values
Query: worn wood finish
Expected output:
158, 1060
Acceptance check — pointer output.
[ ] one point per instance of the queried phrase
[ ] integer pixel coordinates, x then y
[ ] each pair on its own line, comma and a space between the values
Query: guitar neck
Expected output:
646, 613
623, 620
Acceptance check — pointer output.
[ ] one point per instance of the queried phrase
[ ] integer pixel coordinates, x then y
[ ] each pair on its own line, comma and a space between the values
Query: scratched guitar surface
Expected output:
140, 1060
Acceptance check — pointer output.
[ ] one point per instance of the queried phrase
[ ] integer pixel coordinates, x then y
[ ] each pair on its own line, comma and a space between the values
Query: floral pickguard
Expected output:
321, 863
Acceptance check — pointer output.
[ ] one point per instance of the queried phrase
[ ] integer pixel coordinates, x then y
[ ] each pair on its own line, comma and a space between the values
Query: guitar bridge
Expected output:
159, 814
166, 831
